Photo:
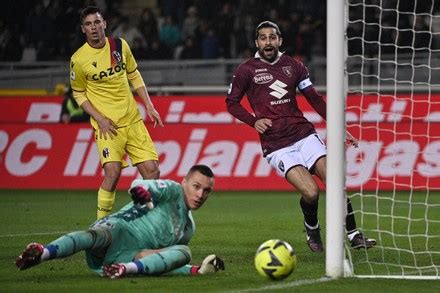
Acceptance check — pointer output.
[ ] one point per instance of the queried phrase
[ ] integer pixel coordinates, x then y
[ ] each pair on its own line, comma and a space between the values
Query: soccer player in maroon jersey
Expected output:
289, 141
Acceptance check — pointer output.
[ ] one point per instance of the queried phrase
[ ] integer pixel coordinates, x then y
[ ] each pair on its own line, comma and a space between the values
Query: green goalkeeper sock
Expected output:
164, 261
71, 243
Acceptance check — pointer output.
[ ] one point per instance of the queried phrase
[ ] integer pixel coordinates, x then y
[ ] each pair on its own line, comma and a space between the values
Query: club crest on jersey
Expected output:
105, 153
287, 70
281, 166
117, 56
263, 78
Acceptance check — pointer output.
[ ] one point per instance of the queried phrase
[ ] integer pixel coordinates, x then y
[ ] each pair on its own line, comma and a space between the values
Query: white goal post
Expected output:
335, 211
383, 85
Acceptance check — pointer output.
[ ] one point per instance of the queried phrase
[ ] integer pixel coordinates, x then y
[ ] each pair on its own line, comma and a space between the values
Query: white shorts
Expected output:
304, 152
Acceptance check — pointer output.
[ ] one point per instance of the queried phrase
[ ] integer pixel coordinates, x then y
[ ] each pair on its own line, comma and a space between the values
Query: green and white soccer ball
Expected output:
275, 259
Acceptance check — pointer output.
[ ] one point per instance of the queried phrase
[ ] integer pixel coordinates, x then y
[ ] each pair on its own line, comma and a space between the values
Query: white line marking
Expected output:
34, 234
287, 285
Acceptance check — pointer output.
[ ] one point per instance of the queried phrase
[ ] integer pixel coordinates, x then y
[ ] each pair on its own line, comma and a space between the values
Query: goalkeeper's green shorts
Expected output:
123, 248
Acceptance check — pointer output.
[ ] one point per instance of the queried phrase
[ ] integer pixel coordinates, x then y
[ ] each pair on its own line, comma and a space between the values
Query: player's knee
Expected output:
155, 173
112, 173
101, 238
149, 170
311, 195
155, 170
184, 250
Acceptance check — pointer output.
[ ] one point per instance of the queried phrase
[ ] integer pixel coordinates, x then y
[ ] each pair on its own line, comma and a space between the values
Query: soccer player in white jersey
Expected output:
289, 141
148, 236
101, 72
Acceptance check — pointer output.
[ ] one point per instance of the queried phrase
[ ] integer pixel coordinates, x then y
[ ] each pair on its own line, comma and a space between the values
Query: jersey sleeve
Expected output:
161, 190
237, 89
136, 79
77, 76
312, 96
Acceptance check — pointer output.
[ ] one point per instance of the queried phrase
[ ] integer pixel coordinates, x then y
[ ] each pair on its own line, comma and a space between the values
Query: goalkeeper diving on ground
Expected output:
148, 236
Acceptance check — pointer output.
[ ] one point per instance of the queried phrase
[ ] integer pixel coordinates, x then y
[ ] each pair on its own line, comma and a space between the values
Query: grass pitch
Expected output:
231, 224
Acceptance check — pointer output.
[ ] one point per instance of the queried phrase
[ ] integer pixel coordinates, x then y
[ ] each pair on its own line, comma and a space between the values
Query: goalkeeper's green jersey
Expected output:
133, 228
170, 222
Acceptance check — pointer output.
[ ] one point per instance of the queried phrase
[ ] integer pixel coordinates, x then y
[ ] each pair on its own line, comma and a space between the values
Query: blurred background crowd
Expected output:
48, 30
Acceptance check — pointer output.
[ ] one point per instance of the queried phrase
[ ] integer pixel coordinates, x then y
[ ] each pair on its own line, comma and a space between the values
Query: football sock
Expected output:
168, 259
310, 212
105, 202
350, 236
185, 270
76, 241
350, 221
45, 255
312, 227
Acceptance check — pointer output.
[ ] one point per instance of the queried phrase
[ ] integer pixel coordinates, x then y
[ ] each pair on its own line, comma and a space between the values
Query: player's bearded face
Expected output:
94, 27
196, 189
268, 43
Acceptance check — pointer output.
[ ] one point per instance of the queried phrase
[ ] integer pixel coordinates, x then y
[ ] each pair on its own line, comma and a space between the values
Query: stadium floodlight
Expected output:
383, 85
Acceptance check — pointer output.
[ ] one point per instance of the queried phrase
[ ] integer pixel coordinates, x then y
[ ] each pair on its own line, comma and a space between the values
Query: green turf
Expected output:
231, 225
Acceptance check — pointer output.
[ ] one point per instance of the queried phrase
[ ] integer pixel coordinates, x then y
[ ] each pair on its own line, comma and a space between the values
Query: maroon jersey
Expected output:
271, 91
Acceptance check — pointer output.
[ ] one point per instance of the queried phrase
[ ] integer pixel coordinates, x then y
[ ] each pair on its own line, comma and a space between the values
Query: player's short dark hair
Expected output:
87, 11
266, 24
203, 169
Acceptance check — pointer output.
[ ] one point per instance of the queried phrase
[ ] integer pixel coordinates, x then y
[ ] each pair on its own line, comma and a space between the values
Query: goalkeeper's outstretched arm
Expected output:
141, 196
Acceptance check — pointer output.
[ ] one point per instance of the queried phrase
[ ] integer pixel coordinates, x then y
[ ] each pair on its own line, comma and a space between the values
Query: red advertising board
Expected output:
64, 156
395, 151
212, 109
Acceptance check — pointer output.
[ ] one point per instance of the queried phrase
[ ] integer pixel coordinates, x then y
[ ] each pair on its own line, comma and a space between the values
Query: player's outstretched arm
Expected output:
141, 196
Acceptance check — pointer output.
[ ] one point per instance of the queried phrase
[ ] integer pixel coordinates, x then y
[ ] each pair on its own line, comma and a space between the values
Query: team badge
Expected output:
105, 153
117, 56
287, 70
94, 64
281, 166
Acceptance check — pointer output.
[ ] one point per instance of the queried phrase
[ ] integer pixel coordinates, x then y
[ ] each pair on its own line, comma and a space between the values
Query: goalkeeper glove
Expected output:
114, 271
141, 196
211, 264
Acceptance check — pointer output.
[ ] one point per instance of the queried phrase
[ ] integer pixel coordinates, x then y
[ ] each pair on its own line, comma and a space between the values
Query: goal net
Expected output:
393, 107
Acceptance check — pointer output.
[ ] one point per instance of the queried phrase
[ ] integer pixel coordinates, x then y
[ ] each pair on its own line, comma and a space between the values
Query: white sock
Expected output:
45, 255
131, 268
